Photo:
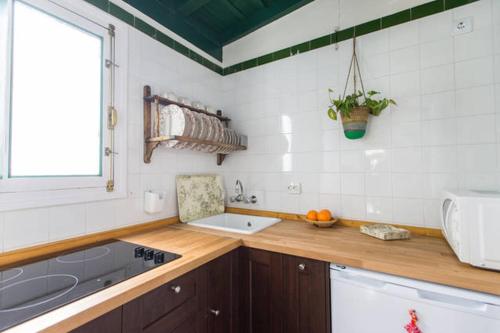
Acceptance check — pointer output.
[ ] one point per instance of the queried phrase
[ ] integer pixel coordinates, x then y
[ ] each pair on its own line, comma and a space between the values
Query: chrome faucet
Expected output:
239, 191
240, 194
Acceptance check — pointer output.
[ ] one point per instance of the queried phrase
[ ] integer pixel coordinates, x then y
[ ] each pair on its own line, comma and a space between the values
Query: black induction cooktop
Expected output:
37, 287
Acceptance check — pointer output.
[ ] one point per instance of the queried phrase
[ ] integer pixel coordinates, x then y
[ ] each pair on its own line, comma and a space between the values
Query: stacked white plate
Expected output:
176, 121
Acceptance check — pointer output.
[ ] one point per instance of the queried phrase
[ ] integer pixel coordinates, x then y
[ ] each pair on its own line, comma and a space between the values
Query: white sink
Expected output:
242, 224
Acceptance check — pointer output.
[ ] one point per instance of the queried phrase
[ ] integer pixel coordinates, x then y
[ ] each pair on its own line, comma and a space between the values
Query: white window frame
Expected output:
30, 192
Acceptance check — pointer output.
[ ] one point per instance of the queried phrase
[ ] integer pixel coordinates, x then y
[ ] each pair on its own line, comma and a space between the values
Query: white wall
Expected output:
444, 134
165, 70
316, 19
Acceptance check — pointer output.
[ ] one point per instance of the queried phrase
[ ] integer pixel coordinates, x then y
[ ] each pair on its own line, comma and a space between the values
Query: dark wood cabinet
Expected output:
173, 307
283, 294
110, 322
307, 289
244, 291
222, 294
262, 296
201, 301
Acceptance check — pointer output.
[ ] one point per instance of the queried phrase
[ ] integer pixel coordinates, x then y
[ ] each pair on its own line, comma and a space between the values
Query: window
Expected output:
60, 106
59, 84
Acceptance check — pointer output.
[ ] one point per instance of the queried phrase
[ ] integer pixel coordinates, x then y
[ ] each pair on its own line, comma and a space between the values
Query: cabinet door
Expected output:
307, 289
261, 292
222, 296
107, 323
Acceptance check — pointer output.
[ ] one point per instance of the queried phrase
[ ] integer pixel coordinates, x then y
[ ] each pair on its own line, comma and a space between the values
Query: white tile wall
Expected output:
444, 133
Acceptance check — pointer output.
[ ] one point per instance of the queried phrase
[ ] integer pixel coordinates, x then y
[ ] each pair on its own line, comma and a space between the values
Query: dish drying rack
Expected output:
152, 139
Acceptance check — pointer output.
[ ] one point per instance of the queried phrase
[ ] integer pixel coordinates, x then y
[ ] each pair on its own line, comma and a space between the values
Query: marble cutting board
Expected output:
199, 196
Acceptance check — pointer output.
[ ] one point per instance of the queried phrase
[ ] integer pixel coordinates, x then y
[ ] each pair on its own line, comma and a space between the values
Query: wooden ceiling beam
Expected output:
233, 9
191, 6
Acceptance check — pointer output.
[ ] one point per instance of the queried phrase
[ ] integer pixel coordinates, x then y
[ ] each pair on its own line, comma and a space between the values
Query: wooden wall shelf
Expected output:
151, 141
165, 101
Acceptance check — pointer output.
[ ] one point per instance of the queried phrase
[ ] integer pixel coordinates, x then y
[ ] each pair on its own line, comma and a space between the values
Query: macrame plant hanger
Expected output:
355, 124
353, 67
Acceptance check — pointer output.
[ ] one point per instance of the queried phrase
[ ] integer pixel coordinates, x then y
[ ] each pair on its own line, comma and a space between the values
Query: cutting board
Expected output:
199, 196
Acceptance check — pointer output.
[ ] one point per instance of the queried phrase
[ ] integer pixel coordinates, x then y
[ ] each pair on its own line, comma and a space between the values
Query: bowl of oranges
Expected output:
322, 219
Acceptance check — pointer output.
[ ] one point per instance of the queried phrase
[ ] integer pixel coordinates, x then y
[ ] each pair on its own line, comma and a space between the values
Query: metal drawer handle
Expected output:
302, 267
215, 312
176, 289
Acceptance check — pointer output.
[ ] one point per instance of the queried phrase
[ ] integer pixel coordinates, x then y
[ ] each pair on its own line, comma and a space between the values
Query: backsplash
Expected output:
442, 134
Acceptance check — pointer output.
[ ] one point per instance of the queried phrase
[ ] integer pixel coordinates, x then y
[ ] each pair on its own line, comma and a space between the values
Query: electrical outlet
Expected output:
294, 188
463, 26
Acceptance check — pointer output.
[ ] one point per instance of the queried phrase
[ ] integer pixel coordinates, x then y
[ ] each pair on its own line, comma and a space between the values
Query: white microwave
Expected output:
471, 225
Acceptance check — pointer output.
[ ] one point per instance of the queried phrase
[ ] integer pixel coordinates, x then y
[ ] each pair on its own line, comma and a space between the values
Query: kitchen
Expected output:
219, 133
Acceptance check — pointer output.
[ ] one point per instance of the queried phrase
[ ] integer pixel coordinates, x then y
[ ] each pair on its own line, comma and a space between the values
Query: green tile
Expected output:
344, 34
249, 64
265, 59
181, 49
367, 27
333, 38
144, 27
300, 48
232, 69
121, 14
208, 64
449, 4
427, 9
281, 54
102, 4
218, 69
320, 42
164, 39
397, 18
196, 57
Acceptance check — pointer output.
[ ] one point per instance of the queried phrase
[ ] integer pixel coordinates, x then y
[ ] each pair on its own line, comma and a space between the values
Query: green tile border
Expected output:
367, 27
151, 31
321, 41
414, 13
121, 14
427, 9
396, 19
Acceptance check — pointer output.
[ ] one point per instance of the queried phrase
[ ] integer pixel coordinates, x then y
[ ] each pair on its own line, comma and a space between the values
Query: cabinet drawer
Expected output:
162, 300
181, 319
144, 313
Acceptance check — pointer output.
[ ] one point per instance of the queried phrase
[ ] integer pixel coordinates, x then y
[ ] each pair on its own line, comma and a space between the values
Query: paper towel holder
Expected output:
154, 201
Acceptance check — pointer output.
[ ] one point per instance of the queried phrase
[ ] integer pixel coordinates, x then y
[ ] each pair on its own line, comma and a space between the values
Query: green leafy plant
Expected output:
345, 105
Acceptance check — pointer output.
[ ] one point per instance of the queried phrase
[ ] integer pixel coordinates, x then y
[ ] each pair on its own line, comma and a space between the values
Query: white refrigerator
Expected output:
364, 301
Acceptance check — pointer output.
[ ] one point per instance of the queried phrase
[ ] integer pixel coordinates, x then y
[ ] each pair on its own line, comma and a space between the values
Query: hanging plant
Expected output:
355, 108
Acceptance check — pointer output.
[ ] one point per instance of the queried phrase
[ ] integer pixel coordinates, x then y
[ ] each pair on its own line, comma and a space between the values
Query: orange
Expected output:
324, 215
312, 215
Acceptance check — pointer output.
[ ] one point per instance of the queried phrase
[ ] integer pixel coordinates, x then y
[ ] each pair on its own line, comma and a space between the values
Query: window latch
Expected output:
108, 151
108, 63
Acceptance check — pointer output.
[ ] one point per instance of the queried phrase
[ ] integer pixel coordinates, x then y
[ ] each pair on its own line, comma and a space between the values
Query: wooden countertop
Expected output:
421, 257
